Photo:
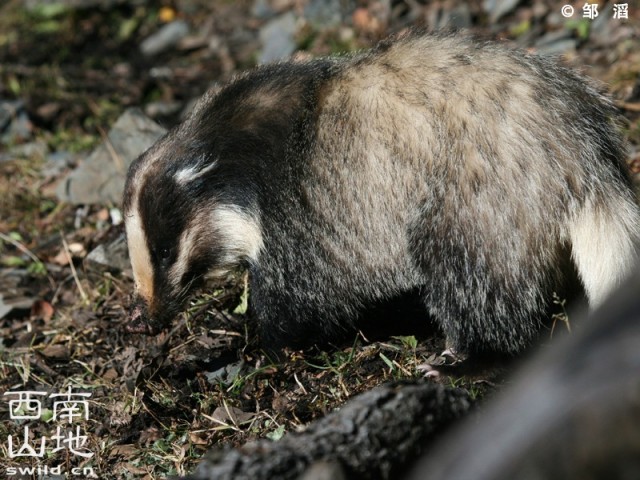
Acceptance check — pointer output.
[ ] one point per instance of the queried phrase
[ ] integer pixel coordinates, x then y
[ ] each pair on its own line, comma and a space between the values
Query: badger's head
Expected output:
188, 216
191, 201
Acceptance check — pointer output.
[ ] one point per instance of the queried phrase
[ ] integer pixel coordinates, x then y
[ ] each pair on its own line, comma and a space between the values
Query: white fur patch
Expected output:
604, 241
188, 240
237, 235
189, 174
240, 231
139, 254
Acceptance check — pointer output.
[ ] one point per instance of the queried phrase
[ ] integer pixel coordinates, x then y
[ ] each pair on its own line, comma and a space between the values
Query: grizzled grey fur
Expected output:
465, 171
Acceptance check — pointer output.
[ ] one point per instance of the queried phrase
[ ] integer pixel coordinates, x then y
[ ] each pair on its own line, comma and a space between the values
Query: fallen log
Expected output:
374, 435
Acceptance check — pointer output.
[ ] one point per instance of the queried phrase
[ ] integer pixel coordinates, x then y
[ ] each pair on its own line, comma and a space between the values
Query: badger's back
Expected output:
469, 170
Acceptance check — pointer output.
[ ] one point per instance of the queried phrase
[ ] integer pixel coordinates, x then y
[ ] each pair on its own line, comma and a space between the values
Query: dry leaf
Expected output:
55, 351
43, 310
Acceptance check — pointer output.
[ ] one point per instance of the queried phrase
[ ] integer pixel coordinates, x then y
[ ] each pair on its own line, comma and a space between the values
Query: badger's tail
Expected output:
605, 241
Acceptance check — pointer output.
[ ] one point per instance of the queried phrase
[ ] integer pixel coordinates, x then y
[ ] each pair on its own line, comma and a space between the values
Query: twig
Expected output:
631, 107
83, 294
20, 247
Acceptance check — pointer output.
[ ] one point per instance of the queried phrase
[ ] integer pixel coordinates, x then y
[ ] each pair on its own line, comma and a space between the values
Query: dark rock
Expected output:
13, 297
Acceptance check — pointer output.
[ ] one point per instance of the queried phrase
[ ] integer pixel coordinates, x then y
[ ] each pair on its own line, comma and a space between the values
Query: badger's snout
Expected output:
139, 320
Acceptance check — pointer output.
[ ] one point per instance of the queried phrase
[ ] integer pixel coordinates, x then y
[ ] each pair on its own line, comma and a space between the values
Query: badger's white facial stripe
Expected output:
240, 232
186, 245
189, 174
139, 254
239, 237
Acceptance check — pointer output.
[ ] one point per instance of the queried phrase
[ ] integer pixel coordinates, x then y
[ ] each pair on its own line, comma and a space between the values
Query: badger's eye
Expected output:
164, 255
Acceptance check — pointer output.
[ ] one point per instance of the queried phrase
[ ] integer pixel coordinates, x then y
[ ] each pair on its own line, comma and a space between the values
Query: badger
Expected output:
464, 171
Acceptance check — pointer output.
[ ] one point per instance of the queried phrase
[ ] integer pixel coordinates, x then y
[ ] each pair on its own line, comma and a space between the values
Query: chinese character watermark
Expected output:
590, 11
25, 407
70, 441
69, 407
26, 450
620, 10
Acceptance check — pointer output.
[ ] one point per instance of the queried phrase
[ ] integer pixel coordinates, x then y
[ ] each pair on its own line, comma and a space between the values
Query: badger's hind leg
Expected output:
604, 237
485, 283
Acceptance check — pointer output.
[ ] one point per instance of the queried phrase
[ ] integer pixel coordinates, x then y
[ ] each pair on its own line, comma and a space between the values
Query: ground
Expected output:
158, 403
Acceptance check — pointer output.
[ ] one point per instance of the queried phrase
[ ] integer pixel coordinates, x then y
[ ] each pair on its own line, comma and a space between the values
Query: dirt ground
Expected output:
155, 405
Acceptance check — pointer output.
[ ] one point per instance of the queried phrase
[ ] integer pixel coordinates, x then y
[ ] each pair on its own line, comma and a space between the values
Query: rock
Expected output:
457, 18
37, 149
8, 111
553, 37
168, 36
603, 27
277, 40
100, 179
30, 150
15, 125
325, 13
56, 163
499, 8
556, 43
162, 109
109, 257
558, 47
262, 9
14, 298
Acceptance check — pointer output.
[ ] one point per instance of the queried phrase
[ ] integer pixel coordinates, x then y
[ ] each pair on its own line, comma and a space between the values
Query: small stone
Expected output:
15, 125
162, 109
499, 8
110, 257
167, 37
558, 48
56, 163
277, 38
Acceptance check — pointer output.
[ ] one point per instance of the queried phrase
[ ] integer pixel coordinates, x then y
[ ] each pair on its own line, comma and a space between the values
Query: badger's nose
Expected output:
138, 321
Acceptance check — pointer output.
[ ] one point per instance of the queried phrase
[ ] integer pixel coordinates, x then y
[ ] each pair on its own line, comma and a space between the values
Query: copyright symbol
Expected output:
567, 11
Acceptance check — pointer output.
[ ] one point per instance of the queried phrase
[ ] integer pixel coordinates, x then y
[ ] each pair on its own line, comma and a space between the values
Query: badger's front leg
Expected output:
295, 309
